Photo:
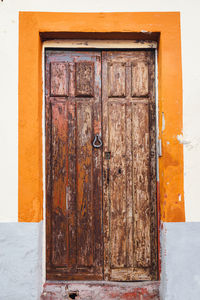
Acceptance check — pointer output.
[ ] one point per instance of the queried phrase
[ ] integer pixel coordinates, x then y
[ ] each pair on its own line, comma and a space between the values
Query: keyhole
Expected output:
119, 171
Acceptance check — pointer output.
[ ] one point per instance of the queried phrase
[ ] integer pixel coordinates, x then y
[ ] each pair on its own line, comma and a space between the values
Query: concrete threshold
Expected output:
100, 290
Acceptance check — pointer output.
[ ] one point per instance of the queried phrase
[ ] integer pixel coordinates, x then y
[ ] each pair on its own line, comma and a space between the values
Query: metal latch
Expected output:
97, 143
107, 155
159, 147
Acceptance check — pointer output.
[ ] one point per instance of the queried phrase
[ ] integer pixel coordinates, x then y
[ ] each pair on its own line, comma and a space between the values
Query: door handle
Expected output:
97, 142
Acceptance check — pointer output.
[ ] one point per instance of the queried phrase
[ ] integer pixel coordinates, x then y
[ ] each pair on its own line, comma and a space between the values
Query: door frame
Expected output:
98, 45
36, 27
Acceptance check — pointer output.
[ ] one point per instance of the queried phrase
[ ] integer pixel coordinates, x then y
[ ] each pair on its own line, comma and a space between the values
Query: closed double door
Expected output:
100, 165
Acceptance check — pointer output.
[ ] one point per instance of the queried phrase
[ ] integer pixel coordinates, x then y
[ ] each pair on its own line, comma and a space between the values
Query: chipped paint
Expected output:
73, 169
102, 290
129, 133
163, 121
179, 197
182, 140
169, 62
100, 44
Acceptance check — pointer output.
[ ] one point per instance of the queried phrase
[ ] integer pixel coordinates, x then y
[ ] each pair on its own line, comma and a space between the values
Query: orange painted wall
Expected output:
31, 24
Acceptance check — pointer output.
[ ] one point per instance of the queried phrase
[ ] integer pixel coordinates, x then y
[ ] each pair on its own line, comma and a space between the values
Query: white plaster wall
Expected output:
180, 249
21, 261
190, 23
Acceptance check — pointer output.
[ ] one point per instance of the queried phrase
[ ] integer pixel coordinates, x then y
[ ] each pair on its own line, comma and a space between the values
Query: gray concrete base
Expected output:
180, 256
20, 261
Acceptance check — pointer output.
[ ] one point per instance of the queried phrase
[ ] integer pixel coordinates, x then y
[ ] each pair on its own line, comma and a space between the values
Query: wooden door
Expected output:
129, 165
73, 165
113, 237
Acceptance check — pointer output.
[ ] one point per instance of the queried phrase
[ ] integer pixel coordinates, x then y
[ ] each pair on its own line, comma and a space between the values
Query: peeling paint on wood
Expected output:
74, 168
84, 79
140, 77
59, 79
78, 227
130, 230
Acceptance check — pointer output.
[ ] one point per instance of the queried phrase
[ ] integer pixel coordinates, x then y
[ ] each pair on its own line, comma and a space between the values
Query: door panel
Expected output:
113, 237
59, 218
117, 184
74, 167
141, 204
130, 193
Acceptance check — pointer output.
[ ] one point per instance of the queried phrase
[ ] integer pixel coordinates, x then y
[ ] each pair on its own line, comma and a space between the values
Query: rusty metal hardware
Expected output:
107, 155
97, 138
159, 148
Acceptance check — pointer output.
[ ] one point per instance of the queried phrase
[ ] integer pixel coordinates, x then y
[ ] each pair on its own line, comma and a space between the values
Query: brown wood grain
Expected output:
59, 217
116, 79
84, 183
74, 204
59, 79
48, 177
130, 232
71, 185
101, 203
117, 185
84, 79
141, 203
140, 79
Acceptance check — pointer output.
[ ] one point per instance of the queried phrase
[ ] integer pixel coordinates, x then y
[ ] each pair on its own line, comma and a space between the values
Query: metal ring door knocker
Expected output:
97, 143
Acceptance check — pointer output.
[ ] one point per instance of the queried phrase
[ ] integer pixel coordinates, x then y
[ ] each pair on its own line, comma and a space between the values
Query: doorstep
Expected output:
100, 290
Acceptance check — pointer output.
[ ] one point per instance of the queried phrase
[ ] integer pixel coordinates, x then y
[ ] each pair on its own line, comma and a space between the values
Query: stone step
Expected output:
100, 290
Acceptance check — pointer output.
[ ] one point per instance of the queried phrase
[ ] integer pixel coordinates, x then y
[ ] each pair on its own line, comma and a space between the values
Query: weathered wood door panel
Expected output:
79, 226
128, 95
74, 167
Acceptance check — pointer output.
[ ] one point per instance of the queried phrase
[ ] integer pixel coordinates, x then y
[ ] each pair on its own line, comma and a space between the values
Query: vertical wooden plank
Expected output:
141, 185
59, 150
48, 128
129, 172
71, 185
153, 162
129, 187
106, 168
84, 185
97, 171
117, 146
153, 189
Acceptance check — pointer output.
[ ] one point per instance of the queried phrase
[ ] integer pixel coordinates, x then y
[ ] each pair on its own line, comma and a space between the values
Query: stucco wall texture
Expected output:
190, 138
33, 27
22, 250
180, 255
21, 256
21, 261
